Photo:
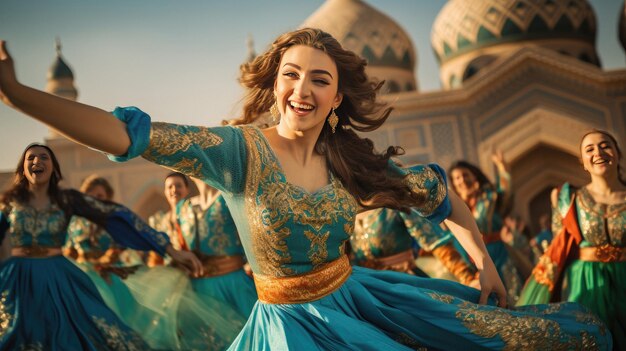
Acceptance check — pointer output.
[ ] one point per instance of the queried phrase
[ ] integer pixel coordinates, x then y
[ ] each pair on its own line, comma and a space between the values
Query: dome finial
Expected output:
57, 45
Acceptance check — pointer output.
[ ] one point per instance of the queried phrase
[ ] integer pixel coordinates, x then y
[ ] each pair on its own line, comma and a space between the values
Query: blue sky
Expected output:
179, 60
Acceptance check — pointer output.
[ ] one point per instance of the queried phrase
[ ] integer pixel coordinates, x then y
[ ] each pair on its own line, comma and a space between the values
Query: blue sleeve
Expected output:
215, 155
124, 226
429, 182
428, 235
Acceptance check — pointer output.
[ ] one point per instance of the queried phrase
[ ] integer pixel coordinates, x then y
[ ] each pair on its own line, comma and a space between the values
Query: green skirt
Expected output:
601, 287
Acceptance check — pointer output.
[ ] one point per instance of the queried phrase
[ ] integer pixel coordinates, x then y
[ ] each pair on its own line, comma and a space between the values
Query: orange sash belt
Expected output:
220, 265
306, 287
604, 253
399, 260
35, 251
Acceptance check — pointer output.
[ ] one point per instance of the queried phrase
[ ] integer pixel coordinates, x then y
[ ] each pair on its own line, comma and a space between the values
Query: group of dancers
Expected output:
325, 224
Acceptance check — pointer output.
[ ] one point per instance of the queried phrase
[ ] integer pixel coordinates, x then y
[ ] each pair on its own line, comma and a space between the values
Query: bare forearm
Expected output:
463, 226
81, 123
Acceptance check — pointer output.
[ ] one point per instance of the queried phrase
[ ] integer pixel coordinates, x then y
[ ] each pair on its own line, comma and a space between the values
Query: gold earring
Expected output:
274, 112
333, 120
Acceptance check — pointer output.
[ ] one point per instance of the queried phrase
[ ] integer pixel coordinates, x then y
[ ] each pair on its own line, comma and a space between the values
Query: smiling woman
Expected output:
490, 204
586, 261
38, 286
294, 191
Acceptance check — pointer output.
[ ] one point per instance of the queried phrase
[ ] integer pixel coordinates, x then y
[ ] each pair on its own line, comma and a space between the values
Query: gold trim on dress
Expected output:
603, 253
6, 318
306, 287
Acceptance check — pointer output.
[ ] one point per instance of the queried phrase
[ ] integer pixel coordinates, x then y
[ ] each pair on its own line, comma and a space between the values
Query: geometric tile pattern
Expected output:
444, 142
366, 31
464, 25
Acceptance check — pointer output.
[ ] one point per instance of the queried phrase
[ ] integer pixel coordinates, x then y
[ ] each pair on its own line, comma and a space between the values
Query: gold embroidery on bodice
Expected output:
599, 222
273, 205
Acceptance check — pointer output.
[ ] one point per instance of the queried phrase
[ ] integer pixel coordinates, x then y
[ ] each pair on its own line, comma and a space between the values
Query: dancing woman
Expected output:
46, 302
489, 205
294, 191
586, 260
382, 239
176, 190
206, 228
95, 252
170, 315
217, 245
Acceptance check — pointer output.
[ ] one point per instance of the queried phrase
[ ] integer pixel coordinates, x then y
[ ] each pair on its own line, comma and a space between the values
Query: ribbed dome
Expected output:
60, 69
374, 36
60, 77
463, 26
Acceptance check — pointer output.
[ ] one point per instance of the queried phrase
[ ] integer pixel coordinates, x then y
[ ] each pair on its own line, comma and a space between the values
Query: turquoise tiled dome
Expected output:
463, 26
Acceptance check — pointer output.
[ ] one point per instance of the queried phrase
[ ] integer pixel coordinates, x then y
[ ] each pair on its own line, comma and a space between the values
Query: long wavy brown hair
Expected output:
362, 170
19, 191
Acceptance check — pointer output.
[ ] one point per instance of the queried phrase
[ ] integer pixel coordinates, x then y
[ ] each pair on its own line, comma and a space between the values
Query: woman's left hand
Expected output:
8, 81
186, 260
490, 282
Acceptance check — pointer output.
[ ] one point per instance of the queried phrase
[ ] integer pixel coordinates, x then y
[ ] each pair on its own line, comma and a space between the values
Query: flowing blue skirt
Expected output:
235, 289
172, 316
114, 292
385, 310
50, 304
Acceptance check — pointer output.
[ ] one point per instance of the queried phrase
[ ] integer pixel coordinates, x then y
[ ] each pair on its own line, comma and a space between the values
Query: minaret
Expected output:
60, 80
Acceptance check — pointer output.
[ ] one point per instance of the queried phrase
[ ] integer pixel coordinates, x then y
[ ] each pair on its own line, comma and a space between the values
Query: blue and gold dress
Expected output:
47, 302
170, 314
216, 243
488, 210
383, 239
310, 298
97, 255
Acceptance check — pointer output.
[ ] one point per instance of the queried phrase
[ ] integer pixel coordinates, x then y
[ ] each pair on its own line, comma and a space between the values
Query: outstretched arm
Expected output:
81, 123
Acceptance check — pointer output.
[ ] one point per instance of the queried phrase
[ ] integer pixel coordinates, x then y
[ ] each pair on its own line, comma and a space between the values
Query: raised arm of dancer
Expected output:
463, 226
82, 123
502, 183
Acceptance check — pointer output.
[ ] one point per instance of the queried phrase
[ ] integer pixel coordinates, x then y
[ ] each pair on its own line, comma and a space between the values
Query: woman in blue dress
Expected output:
294, 191
176, 191
95, 252
160, 302
216, 243
204, 226
489, 204
383, 239
46, 302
